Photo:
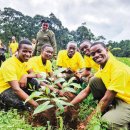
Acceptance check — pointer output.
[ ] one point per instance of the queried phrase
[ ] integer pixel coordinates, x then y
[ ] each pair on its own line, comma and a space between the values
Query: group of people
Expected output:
109, 84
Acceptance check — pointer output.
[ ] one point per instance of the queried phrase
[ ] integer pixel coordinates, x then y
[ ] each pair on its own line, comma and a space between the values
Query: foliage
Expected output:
120, 49
13, 121
15, 23
124, 60
86, 107
97, 123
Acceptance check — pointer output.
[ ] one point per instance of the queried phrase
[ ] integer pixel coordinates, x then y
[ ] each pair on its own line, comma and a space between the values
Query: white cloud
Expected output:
110, 18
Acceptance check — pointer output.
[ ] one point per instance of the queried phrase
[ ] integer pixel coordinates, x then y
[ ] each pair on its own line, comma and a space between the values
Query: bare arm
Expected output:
81, 96
103, 104
15, 86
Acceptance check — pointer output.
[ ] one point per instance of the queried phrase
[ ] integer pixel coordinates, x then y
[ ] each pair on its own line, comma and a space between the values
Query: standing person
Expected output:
14, 78
45, 36
2, 51
33, 43
111, 82
13, 46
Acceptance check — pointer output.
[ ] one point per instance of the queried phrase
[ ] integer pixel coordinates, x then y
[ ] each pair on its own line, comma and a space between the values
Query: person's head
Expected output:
24, 50
33, 41
45, 24
47, 52
85, 47
71, 48
99, 53
13, 39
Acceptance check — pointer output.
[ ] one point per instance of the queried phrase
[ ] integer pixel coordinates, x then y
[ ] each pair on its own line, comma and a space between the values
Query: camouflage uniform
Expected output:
45, 37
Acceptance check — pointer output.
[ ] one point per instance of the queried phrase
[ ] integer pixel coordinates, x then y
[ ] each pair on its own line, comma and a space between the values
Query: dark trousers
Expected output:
9, 99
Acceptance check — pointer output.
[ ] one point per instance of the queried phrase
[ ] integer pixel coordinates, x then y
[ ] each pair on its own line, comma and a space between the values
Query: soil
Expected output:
70, 117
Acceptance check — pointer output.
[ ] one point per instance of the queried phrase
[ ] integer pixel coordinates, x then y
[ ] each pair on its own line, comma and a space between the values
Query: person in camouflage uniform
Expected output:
45, 36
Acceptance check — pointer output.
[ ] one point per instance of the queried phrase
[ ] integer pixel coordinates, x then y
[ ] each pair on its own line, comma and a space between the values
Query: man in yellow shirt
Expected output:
89, 63
13, 46
111, 82
70, 58
14, 78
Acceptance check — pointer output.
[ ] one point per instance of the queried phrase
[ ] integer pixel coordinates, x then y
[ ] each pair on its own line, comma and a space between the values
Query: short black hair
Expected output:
24, 41
44, 46
45, 21
101, 43
86, 40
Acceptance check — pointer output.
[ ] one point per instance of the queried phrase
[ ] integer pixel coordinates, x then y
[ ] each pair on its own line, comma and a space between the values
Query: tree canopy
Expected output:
15, 23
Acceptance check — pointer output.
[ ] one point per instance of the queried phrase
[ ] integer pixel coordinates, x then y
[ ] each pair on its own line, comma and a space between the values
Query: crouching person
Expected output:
14, 78
111, 82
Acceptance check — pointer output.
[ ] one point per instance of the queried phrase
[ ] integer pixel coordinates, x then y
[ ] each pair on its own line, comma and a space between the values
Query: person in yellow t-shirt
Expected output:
13, 46
110, 85
70, 59
89, 63
14, 78
42, 63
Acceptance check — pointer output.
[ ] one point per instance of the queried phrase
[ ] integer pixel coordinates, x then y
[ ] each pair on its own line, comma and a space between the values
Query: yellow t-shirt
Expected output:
36, 64
116, 76
74, 63
89, 63
11, 69
13, 47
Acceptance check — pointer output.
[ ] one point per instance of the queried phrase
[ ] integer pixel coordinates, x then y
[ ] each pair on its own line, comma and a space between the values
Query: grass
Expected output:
14, 121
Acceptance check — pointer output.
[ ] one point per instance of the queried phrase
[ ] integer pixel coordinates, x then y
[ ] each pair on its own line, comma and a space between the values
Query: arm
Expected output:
15, 86
53, 42
81, 96
103, 103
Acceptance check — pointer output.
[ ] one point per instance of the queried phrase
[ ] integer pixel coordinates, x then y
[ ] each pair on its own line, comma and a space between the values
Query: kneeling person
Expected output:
12, 72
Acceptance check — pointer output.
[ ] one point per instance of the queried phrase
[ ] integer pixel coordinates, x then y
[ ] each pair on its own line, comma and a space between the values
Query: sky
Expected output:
110, 18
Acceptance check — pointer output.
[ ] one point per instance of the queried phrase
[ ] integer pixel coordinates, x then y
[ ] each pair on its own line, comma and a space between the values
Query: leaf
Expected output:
47, 90
65, 84
71, 80
34, 94
59, 71
42, 107
61, 123
76, 85
69, 89
61, 102
59, 80
43, 99
97, 127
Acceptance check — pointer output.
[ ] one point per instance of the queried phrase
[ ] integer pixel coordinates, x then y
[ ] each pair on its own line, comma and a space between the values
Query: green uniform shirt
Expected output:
45, 37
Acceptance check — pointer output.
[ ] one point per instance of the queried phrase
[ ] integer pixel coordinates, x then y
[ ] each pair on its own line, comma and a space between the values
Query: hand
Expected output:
78, 75
23, 81
81, 126
38, 76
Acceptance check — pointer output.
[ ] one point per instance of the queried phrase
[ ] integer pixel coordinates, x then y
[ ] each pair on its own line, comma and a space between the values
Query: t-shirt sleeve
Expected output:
81, 61
49, 67
59, 59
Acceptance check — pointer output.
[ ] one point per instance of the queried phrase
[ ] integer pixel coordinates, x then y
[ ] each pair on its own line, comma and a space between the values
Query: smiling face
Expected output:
99, 54
85, 48
45, 26
47, 53
25, 52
